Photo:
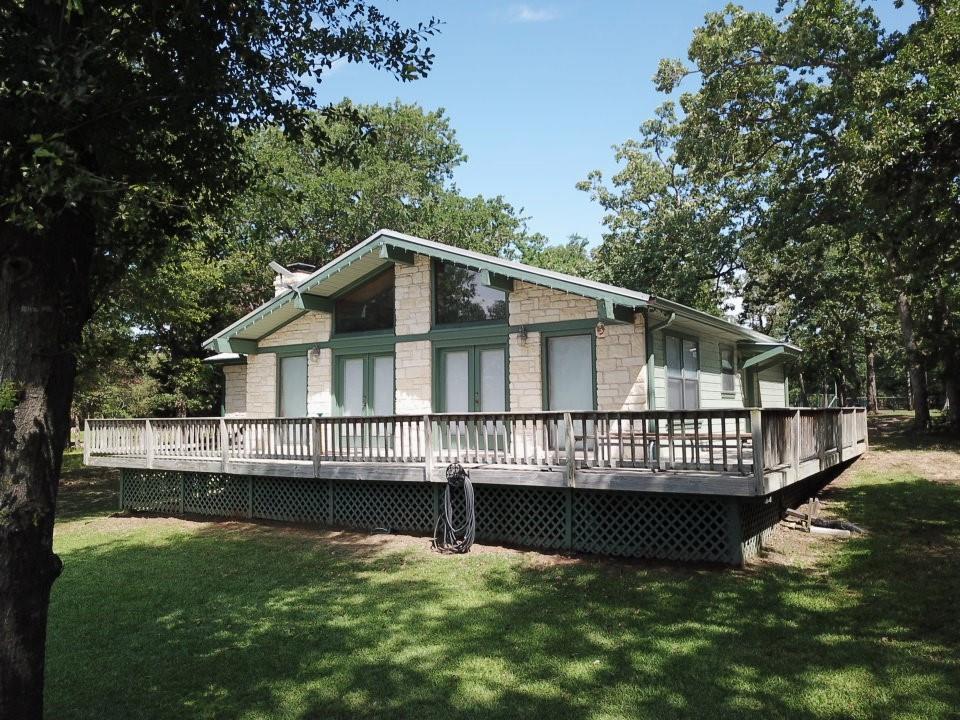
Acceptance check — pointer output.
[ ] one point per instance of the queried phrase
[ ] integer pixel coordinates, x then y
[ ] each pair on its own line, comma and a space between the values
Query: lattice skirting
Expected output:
662, 526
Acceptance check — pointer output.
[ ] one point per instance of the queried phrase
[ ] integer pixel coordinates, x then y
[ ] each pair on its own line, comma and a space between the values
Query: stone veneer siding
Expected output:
413, 381
622, 368
309, 328
262, 385
412, 297
535, 304
234, 389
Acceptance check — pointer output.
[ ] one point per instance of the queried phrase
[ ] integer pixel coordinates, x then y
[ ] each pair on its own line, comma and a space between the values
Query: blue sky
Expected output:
538, 92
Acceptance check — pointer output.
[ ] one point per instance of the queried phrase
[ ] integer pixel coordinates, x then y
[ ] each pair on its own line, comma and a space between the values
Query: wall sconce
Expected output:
601, 329
522, 334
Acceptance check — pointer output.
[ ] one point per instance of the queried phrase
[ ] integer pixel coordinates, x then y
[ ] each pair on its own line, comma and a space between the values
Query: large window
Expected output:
728, 371
293, 386
367, 307
683, 373
460, 297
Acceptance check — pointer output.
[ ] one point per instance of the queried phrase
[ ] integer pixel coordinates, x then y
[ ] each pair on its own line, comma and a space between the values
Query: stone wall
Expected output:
526, 381
413, 378
412, 293
320, 382
234, 389
308, 328
622, 368
262, 385
535, 304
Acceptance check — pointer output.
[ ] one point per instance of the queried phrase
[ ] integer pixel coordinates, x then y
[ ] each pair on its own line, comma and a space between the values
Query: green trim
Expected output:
305, 301
611, 313
544, 370
368, 379
496, 281
473, 373
396, 255
236, 345
765, 359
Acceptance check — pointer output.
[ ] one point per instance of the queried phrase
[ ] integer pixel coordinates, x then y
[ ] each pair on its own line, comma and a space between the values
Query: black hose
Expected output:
446, 537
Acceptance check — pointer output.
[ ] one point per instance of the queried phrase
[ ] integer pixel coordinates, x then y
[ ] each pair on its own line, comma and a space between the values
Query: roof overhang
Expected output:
769, 355
388, 247
226, 358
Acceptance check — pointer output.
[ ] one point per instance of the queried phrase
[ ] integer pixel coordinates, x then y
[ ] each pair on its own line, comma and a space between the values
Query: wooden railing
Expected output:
738, 441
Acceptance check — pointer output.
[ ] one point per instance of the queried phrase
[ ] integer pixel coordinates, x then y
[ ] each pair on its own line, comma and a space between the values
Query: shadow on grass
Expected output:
233, 622
85, 490
895, 432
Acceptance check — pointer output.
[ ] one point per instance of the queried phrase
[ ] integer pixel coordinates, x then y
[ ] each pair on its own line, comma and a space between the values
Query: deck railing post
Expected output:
840, 436
87, 441
148, 442
224, 446
756, 430
571, 443
795, 460
315, 446
427, 448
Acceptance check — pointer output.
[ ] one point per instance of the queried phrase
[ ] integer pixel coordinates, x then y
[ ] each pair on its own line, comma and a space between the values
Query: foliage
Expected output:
667, 232
301, 205
572, 257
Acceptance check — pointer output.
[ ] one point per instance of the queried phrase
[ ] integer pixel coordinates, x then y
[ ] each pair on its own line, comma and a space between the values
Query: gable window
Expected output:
460, 297
683, 373
366, 307
728, 371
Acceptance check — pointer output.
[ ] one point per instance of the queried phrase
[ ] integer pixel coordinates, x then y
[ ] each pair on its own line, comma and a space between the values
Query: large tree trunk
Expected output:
43, 306
918, 378
871, 376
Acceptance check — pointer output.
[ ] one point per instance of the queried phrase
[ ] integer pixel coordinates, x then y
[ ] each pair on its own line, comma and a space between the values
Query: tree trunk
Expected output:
871, 376
918, 378
43, 306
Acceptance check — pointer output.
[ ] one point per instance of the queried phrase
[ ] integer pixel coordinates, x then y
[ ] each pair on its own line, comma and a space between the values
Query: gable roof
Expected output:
383, 248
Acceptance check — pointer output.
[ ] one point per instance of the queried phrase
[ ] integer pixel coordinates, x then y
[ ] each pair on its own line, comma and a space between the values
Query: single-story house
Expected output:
403, 325
590, 417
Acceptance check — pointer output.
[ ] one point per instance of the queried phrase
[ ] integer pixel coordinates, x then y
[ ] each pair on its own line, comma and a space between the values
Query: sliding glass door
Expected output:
363, 386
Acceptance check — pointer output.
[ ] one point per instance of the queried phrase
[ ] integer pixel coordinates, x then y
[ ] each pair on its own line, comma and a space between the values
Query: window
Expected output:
683, 373
293, 386
460, 297
364, 384
570, 383
472, 379
728, 371
367, 307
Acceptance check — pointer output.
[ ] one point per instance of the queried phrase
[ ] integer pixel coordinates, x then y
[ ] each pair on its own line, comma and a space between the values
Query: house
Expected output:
403, 325
590, 417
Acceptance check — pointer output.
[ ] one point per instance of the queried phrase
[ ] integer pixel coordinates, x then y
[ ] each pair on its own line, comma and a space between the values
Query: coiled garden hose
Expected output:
446, 537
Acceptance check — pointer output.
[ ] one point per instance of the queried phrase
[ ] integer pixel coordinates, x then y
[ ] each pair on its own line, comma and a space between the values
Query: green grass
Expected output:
164, 619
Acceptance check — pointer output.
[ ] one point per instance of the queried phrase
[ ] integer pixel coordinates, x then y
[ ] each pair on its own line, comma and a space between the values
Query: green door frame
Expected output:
473, 351
368, 378
544, 363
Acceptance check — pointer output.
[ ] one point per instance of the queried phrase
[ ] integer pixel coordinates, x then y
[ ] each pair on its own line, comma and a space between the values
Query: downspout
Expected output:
651, 360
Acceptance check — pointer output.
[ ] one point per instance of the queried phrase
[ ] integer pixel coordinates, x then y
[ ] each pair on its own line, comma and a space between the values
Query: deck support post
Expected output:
148, 442
427, 449
224, 446
756, 430
571, 442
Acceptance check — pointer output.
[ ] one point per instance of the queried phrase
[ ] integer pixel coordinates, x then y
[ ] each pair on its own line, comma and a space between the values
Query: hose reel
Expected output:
446, 536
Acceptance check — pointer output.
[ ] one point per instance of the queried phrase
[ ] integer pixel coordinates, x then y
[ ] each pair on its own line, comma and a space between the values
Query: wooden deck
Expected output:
732, 452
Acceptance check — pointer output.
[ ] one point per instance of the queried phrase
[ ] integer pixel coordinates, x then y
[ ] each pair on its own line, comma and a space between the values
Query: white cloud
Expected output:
529, 14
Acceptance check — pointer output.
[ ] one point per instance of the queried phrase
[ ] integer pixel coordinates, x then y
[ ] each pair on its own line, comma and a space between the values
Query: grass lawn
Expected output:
170, 618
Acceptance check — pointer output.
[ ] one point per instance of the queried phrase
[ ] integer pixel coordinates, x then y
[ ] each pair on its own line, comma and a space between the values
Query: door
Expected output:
570, 382
292, 400
473, 379
364, 387
683, 373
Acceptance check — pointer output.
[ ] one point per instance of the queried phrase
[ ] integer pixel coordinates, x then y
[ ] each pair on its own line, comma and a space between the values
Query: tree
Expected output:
667, 232
302, 205
836, 127
571, 257
120, 122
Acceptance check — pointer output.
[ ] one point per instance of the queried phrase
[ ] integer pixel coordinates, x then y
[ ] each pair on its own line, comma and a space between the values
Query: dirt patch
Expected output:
935, 465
